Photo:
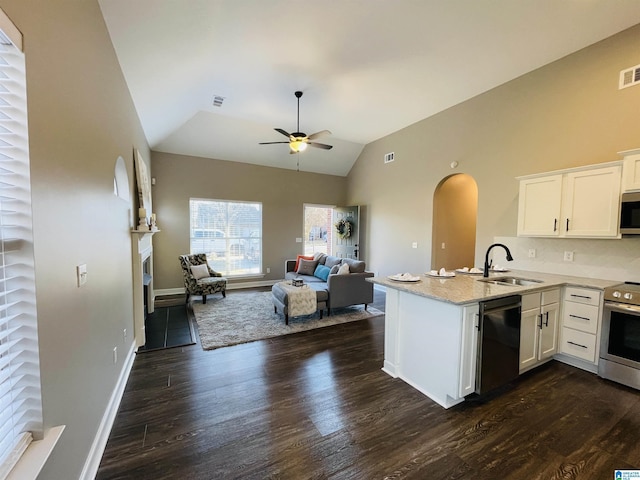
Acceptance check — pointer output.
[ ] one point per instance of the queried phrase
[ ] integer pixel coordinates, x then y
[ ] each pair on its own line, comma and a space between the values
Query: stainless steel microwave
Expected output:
630, 214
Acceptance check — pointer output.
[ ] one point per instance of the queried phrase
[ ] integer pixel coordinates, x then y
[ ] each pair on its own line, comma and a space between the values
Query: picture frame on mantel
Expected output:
144, 183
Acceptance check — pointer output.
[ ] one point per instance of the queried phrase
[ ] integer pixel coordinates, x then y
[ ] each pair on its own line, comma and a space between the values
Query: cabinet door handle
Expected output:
546, 322
579, 317
478, 324
567, 224
581, 296
577, 344
540, 324
555, 224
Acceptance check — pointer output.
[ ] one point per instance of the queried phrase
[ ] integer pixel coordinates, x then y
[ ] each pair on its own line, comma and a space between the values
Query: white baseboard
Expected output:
230, 286
92, 462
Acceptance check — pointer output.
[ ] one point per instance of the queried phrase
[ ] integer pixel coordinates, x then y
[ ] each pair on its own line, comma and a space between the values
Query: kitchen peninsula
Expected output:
431, 327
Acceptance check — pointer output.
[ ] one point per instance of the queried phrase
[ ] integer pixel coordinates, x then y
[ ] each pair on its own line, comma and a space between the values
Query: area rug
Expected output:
249, 316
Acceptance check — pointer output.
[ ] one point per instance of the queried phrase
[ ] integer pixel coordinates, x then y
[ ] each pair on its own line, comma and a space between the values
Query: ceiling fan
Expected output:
298, 141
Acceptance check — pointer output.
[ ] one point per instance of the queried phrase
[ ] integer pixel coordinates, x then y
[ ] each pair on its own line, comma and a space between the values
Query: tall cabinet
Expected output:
581, 202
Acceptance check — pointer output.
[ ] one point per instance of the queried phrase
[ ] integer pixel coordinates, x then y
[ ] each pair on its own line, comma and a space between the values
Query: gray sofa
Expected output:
343, 289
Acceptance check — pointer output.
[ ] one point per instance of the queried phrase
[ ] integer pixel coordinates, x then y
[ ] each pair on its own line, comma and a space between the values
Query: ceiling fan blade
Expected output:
320, 145
270, 143
319, 134
286, 134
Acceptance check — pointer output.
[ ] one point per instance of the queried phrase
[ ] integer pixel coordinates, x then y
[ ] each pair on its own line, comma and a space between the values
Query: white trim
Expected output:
92, 463
571, 170
37, 453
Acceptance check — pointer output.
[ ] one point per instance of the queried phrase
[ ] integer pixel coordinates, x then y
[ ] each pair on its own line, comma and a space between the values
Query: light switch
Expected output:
82, 274
414, 245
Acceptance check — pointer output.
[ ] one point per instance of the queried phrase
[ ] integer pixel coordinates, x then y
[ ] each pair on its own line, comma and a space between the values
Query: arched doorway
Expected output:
455, 212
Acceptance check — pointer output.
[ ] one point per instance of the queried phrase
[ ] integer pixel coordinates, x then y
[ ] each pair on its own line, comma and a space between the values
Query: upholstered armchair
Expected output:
200, 278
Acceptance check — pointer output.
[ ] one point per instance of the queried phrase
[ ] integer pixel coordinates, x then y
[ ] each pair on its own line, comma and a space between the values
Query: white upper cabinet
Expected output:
581, 202
591, 206
631, 170
539, 206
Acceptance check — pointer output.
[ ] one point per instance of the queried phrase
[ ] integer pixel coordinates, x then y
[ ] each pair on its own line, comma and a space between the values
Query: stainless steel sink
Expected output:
513, 281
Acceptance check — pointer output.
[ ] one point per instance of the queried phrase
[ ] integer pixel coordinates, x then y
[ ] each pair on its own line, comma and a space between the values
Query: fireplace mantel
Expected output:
142, 252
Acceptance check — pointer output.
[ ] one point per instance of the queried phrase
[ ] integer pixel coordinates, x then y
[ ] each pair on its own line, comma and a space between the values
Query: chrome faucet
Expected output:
486, 257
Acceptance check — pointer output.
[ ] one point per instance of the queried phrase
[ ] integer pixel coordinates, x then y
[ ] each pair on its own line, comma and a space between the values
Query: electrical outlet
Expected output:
298, 239
268, 270
115, 355
124, 335
81, 272
443, 246
414, 245
568, 256
532, 253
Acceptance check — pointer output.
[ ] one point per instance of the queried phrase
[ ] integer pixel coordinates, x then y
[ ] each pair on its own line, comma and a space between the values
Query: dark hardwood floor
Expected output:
316, 405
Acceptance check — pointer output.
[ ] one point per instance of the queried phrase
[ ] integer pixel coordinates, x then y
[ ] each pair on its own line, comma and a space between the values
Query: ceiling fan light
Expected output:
298, 146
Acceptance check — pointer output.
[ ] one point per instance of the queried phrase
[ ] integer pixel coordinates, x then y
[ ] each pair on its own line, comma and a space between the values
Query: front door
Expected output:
345, 233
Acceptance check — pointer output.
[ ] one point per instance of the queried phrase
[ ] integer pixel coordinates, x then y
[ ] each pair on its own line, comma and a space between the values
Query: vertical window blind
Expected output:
20, 399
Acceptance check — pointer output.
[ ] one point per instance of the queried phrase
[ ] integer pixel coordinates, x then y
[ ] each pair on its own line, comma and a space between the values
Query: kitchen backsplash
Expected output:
604, 259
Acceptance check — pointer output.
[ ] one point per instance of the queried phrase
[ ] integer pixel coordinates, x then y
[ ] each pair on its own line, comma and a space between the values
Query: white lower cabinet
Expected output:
469, 350
581, 323
539, 327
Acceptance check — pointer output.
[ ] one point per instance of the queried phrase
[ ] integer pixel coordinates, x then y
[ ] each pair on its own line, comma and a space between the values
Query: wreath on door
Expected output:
343, 228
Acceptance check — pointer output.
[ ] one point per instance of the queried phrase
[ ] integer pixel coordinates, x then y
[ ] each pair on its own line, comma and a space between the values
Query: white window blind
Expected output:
20, 400
230, 233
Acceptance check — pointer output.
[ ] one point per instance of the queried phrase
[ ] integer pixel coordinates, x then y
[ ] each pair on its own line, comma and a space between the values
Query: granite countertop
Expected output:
464, 288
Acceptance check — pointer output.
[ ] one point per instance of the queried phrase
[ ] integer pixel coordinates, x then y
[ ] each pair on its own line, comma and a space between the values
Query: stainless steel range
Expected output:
620, 343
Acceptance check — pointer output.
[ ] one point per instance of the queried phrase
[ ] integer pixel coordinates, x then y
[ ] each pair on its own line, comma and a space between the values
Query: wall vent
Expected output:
389, 157
629, 77
217, 101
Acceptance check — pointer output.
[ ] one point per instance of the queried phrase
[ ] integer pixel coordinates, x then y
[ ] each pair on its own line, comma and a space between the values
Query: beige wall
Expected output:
565, 114
282, 193
81, 118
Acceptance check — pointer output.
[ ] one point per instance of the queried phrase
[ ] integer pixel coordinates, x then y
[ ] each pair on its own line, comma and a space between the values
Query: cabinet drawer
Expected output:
580, 317
531, 301
582, 295
550, 296
578, 344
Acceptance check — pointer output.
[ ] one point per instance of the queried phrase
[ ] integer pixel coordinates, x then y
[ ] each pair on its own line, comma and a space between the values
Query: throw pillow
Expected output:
355, 266
330, 261
298, 258
306, 267
322, 272
344, 269
319, 256
334, 269
199, 271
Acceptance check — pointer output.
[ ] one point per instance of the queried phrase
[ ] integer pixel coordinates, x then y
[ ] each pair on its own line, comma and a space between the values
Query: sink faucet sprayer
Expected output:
486, 257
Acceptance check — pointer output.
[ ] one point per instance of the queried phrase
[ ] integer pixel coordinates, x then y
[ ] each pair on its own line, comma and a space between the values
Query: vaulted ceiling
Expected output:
367, 67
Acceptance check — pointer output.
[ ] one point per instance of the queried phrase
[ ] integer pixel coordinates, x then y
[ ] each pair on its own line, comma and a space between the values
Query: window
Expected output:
20, 400
317, 229
230, 233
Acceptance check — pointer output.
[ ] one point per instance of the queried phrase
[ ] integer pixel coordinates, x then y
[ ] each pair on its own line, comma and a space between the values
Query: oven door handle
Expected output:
622, 307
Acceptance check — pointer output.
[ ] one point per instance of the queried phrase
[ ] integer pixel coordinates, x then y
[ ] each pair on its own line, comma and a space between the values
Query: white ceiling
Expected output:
367, 67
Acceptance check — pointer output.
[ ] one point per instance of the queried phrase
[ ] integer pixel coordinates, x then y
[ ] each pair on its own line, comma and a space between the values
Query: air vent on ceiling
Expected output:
389, 157
217, 101
629, 77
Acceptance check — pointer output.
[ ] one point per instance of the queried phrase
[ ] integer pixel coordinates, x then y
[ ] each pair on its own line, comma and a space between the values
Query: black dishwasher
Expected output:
498, 343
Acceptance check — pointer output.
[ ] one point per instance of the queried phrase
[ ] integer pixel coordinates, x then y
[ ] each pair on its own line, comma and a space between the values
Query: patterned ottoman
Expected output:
284, 294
